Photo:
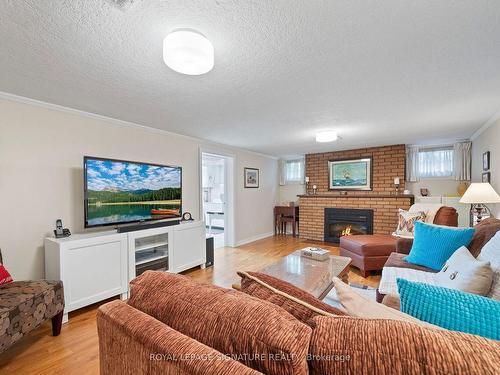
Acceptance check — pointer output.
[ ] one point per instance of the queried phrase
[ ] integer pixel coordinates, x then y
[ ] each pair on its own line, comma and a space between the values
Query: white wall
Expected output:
41, 179
436, 186
488, 140
288, 193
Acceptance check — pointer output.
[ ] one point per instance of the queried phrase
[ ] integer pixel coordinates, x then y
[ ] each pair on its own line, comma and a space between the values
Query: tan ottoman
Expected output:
368, 252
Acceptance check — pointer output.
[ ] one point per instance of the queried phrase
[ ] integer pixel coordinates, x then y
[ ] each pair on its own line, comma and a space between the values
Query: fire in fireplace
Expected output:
341, 222
346, 231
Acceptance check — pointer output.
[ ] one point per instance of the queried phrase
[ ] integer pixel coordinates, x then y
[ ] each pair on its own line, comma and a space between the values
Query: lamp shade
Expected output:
480, 192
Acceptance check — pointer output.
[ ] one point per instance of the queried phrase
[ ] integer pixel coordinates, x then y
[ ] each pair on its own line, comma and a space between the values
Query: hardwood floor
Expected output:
76, 351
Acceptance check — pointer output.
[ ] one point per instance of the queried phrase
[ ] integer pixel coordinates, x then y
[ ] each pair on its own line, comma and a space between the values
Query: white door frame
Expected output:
229, 190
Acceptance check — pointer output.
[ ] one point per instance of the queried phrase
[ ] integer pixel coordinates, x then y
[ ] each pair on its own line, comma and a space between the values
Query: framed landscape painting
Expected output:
352, 174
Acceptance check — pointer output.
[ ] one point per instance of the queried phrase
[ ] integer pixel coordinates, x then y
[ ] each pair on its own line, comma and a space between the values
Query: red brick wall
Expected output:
388, 162
312, 212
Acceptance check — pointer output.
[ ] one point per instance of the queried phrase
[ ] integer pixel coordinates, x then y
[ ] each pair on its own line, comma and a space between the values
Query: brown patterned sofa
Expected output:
25, 305
173, 325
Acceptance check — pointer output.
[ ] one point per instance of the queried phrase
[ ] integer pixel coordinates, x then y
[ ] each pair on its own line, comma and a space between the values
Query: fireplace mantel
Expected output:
372, 196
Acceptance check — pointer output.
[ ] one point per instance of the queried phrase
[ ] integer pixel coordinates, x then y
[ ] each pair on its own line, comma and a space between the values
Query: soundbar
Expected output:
146, 225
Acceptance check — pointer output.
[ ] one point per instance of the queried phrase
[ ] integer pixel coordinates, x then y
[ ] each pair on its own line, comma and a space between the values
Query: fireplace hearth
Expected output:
341, 222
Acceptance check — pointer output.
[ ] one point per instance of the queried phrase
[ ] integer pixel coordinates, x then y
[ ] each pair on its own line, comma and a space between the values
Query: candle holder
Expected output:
315, 188
396, 185
396, 188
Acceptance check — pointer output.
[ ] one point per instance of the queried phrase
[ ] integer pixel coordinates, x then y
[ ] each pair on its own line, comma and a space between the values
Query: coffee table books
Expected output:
315, 253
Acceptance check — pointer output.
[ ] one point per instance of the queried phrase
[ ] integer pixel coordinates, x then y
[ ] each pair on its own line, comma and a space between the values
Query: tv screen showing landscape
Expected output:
118, 191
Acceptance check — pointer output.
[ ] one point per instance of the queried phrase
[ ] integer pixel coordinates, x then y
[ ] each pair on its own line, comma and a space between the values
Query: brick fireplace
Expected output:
382, 201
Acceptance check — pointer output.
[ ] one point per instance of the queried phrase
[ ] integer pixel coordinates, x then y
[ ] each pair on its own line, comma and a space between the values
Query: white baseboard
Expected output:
254, 238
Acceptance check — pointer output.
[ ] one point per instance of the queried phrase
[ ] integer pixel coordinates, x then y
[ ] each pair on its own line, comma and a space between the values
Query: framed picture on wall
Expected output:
350, 174
486, 161
486, 177
251, 178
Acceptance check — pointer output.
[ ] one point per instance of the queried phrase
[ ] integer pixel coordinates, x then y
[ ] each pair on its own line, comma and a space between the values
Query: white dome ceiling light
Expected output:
326, 136
188, 52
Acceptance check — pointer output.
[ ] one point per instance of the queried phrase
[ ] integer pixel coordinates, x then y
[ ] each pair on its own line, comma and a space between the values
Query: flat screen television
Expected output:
119, 191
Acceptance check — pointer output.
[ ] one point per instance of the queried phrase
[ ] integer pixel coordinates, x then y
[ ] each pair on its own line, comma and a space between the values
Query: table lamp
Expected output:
477, 195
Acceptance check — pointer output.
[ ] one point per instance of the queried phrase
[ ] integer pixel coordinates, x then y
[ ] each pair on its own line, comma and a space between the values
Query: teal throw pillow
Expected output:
451, 309
433, 244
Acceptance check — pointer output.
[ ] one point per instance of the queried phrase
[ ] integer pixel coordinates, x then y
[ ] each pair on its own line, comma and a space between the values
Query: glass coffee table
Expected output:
313, 276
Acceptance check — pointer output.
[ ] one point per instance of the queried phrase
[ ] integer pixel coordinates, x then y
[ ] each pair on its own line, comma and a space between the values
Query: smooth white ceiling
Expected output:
379, 72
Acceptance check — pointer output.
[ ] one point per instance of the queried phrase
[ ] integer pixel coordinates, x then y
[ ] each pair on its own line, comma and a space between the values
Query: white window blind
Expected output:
293, 171
435, 162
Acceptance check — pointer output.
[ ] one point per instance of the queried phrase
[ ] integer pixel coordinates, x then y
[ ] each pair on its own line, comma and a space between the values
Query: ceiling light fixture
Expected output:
188, 52
326, 136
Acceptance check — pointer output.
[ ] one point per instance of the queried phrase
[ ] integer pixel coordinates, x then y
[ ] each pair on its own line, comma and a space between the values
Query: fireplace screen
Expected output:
341, 222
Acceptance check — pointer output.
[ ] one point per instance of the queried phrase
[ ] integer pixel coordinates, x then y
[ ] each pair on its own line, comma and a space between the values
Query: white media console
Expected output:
99, 265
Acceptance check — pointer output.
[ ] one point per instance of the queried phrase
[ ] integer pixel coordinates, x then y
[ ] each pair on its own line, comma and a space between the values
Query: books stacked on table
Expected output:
315, 253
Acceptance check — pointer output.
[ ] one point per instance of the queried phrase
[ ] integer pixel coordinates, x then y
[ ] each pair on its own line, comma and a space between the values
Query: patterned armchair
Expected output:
25, 305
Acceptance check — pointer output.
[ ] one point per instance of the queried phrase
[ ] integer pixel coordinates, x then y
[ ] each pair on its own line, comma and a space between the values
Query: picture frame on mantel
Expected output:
350, 174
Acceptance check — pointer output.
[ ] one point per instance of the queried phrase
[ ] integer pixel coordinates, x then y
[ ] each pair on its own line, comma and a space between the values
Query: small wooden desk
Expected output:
283, 215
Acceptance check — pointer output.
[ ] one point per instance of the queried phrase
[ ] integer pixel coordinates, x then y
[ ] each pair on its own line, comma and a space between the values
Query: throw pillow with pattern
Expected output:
4, 275
406, 222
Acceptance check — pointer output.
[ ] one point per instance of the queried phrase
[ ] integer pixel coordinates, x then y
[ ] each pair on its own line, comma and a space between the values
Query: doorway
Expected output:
216, 197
